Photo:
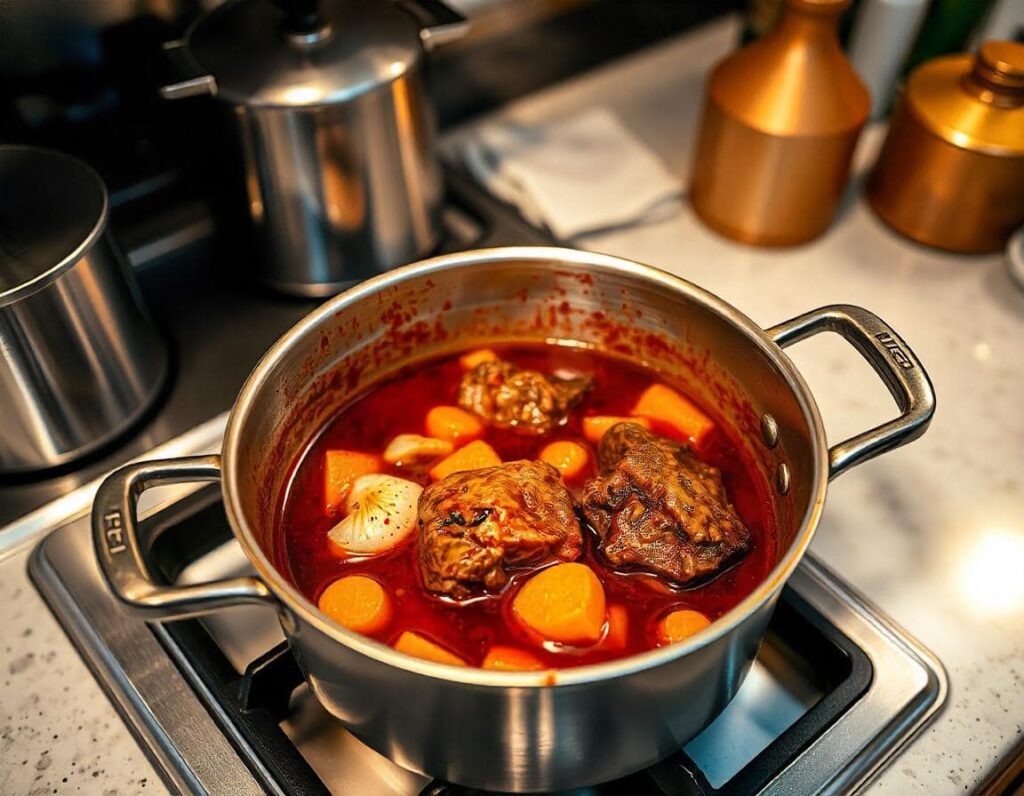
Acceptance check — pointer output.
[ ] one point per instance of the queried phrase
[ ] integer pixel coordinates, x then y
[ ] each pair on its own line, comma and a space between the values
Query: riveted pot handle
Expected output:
439, 22
123, 560
194, 82
891, 359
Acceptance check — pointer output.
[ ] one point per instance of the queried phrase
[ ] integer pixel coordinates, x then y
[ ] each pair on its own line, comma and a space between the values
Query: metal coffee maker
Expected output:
336, 131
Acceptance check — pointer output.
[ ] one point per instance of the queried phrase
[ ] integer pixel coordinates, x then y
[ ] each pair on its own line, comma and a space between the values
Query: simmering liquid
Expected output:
470, 628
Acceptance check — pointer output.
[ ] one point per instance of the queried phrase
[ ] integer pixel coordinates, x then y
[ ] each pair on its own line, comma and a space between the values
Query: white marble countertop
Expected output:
58, 731
932, 533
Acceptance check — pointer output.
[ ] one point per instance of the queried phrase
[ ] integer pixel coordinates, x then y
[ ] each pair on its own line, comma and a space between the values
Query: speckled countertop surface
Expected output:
58, 732
933, 533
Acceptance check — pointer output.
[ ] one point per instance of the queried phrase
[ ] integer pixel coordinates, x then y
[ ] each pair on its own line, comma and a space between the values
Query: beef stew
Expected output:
555, 524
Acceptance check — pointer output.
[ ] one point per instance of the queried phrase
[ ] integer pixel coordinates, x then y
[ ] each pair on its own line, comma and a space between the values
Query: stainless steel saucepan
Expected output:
497, 730
335, 127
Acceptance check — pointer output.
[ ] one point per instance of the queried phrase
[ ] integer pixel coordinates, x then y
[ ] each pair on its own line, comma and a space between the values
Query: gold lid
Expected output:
1002, 64
974, 102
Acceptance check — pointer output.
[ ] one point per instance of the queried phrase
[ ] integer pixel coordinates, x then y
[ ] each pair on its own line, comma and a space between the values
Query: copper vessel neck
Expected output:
997, 76
813, 21
821, 7
812, 29
779, 128
795, 82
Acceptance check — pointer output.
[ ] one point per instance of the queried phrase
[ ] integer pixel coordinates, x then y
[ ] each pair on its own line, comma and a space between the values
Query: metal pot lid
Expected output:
53, 207
313, 54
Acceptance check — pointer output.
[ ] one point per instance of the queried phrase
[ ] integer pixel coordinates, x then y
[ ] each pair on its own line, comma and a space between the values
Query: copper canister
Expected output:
951, 171
781, 120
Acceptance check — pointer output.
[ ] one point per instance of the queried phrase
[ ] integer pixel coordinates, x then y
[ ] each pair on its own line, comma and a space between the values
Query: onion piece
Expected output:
406, 449
381, 514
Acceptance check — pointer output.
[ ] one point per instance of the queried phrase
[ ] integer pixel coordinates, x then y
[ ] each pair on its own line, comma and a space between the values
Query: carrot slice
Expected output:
618, 628
470, 360
668, 408
414, 644
681, 624
595, 426
472, 457
358, 603
454, 424
511, 659
569, 458
564, 603
341, 469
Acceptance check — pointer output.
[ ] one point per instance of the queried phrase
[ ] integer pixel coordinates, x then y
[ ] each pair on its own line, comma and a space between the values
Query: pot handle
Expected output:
195, 86
891, 359
439, 23
123, 561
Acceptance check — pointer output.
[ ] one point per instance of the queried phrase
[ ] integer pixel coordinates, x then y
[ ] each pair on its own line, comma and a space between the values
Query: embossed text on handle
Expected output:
112, 528
893, 347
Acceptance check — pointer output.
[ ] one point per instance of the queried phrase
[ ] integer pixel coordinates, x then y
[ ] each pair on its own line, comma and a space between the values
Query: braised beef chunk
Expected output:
475, 523
525, 401
658, 508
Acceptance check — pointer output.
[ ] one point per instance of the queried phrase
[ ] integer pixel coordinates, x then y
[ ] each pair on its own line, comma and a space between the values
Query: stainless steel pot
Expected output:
496, 730
79, 358
335, 127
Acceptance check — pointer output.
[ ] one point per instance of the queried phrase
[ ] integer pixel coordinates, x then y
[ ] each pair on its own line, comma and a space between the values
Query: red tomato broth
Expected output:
470, 628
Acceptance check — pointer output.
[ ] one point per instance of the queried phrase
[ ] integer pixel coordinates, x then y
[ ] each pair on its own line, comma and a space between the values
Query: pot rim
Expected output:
51, 274
298, 604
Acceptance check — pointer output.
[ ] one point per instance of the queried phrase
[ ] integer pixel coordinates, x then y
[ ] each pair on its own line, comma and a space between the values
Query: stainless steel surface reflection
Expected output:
342, 191
774, 695
80, 360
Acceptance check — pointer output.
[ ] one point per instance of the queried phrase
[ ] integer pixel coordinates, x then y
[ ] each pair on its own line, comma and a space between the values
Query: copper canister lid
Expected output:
951, 171
974, 102
1002, 63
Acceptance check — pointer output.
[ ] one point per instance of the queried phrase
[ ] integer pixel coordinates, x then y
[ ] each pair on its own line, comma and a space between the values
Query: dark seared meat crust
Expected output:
524, 401
475, 523
658, 508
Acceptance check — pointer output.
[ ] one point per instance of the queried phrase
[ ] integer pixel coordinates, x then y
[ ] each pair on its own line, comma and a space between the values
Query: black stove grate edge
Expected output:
254, 702
848, 674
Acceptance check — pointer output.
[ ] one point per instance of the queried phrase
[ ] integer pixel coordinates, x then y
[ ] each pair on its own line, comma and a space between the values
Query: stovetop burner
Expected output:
221, 707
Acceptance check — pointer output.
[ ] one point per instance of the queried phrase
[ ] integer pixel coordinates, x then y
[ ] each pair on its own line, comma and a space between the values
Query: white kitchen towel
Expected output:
583, 174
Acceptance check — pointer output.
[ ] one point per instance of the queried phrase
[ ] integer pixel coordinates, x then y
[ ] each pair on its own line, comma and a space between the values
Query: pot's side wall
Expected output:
529, 739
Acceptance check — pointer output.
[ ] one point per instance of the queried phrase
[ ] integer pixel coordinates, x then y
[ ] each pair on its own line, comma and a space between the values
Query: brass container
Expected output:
780, 123
951, 171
